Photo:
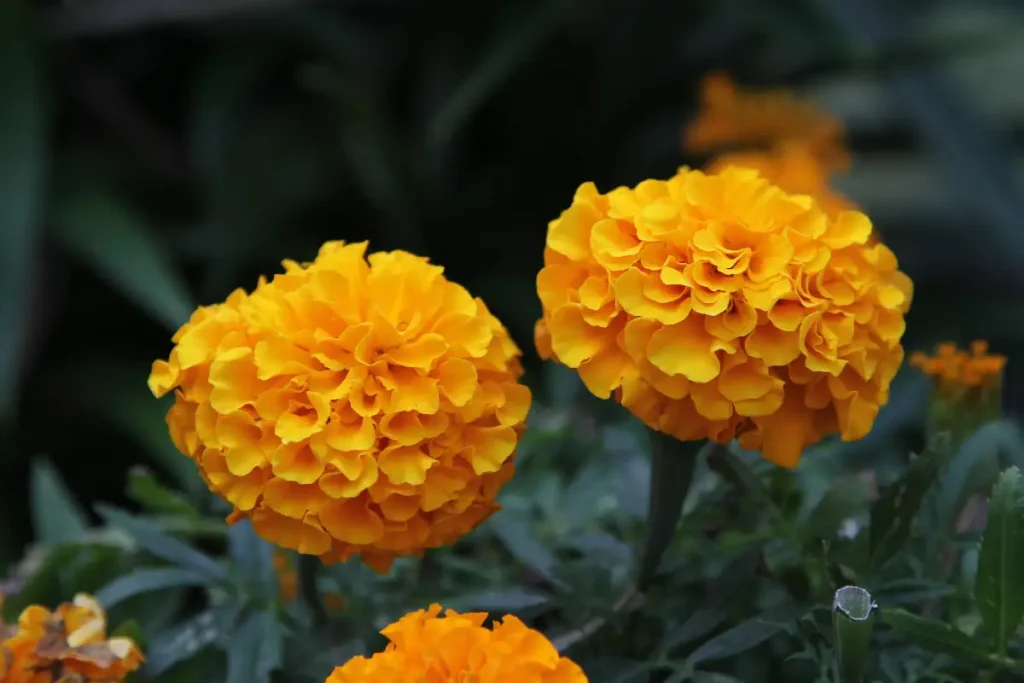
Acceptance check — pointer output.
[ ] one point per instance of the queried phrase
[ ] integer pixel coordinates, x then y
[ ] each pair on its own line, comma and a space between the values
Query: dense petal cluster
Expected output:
720, 306
957, 371
428, 647
731, 117
351, 406
69, 645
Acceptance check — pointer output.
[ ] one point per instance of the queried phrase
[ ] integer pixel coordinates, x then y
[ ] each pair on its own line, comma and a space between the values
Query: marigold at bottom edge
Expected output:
428, 646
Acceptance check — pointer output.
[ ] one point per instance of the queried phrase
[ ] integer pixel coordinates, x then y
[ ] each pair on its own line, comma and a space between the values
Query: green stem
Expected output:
852, 609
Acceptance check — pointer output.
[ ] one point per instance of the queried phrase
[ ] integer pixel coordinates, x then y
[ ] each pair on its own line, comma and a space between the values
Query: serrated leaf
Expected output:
122, 249
145, 580
986, 444
56, 516
672, 466
254, 556
892, 515
998, 590
153, 540
746, 635
23, 139
935, 636
255, 649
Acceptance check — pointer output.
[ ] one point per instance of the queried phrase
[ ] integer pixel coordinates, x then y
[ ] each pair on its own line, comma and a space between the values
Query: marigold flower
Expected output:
349, 406
426, 646
287, 577
957, 372
730, 117
720, 306
69, 645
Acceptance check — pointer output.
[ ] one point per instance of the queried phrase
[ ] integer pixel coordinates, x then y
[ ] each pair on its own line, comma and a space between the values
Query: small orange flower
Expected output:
731, 117
287, 578
719, 306
958, 372
67, 645
457, 647
351, 406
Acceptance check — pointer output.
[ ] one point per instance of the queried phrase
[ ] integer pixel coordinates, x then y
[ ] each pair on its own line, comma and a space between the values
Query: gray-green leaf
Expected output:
122, 248
998, 589
144, 581
255, 649
747, 635
56, 516
935, 636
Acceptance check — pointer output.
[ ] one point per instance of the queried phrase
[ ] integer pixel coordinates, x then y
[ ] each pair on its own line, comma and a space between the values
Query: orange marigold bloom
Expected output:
731, 117
350, 406
69, 645
957, 372
457, 647
720, 306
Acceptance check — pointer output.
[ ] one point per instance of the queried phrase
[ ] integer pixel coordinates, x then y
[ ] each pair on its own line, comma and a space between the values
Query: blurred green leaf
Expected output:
254, 556
152, 539
130, 629
734, 470
511, 600
152, 496
506, 54
514, 533
23, 139
848, 498
56, 516
892, 515
935, 636
672, 466
746, 635
145, 580
984, 446
999, 591
58, 572
186, 639
255, 649
123, 249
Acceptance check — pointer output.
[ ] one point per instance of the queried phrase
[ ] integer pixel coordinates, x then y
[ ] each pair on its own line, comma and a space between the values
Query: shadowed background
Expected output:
156, 154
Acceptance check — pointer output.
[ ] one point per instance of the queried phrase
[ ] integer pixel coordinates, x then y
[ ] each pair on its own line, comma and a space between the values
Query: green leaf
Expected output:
892, 515
489, 71
153, 540
145, 580
734, 470
511, 600
23, 139
998, 590
935, 636
61, 571
514, 533
672, 466
747, 635
254, 556
146, 490
122, 248
981, 448
255, 649
56, 516
190, 637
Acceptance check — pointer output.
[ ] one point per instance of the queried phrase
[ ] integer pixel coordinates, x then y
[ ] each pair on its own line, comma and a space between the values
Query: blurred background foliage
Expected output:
156, 154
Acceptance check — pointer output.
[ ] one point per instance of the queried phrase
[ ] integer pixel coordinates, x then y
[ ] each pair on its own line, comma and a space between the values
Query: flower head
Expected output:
958, 372
730, 117
720, 306
69, 645
349, 406
426, 646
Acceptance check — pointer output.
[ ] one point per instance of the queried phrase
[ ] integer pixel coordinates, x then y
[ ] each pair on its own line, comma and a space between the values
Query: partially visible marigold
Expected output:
349, 407
731, 117
426, 646
66, 646
719, 306
956, 371
287, 577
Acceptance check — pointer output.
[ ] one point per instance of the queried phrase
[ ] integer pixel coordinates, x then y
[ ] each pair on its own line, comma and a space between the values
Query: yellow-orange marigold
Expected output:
956, 371
428, 647
68, 645
350, 406
731, 117
720, 306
